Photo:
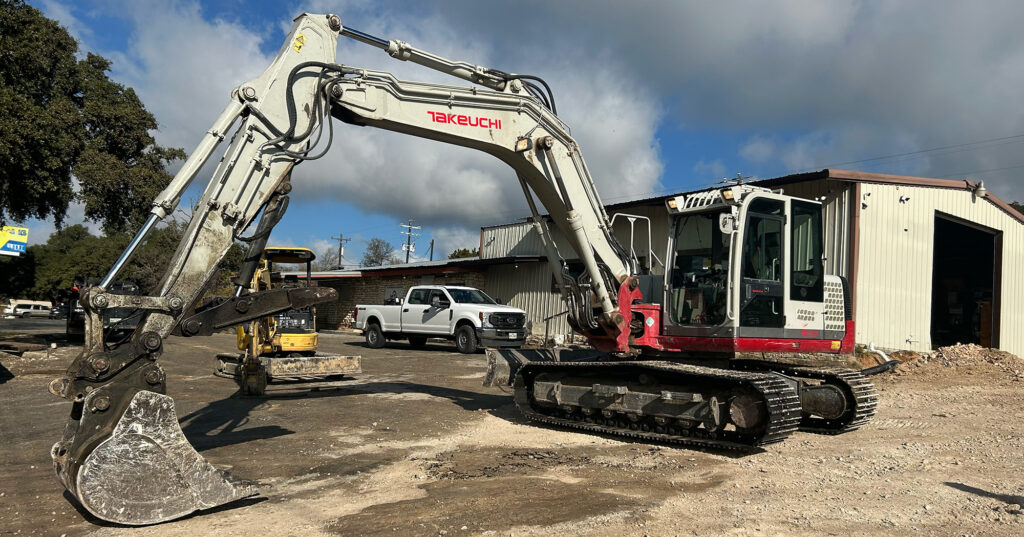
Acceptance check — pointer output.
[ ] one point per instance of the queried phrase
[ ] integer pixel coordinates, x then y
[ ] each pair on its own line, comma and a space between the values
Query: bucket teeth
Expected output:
146, 471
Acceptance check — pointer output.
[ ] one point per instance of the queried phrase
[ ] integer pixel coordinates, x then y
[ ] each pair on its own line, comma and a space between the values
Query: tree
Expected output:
463, 253
71, 253
1017, 205
47, 271
379, 252
64, 117
17, 275
326, 259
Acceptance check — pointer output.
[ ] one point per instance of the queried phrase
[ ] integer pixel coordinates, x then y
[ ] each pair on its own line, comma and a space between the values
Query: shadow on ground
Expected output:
404, 346
223, 422
1005, 498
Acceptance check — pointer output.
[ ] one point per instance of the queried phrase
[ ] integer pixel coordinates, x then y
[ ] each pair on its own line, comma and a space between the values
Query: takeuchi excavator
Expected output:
743, 272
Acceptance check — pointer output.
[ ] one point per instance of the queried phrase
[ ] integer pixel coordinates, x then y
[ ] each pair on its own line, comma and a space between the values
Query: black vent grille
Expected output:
507, 320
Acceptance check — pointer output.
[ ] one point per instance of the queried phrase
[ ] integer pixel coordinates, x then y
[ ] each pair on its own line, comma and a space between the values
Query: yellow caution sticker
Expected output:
836, 345
299, 41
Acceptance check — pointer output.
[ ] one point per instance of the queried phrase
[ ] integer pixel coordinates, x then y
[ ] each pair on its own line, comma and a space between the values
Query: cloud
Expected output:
709, 171
185, 67
802, 84
826, 81
449, 239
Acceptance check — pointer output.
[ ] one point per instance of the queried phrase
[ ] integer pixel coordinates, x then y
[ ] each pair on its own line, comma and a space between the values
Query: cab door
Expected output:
414, 309
436, 319
762, 270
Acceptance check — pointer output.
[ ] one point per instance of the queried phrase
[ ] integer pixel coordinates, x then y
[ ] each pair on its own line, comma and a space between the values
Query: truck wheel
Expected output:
374, 336
417, 342
26, 315
465, 339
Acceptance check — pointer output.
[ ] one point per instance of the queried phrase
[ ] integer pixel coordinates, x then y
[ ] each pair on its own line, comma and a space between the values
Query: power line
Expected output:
966, 146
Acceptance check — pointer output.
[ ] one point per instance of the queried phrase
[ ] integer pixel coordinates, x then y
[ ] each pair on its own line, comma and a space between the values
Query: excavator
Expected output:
743, 273
282, 348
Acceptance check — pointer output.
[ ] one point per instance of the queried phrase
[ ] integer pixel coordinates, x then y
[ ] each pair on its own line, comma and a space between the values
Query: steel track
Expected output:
855, 386
781, 402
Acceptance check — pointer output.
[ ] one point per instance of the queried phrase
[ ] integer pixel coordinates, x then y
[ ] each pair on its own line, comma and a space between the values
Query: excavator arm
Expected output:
522, 132
123, 454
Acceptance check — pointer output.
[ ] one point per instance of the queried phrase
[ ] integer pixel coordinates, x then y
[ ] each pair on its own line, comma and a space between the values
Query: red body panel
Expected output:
654, 339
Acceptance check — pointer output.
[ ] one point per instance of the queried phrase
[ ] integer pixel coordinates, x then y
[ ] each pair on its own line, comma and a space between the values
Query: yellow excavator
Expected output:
282, 347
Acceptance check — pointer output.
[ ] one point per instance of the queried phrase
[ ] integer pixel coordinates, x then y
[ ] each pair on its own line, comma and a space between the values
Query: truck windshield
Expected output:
470, 296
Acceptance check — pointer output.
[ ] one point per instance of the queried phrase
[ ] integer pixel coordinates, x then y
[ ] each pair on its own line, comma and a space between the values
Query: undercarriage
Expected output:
751, 405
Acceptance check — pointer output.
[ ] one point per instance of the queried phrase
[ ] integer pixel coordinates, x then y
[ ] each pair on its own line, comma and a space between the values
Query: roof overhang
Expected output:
850, 176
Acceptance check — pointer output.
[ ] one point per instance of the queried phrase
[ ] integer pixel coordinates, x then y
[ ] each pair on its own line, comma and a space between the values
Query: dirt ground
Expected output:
415, 446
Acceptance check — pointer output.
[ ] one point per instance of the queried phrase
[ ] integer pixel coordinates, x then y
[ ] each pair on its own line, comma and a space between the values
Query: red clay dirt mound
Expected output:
960, 359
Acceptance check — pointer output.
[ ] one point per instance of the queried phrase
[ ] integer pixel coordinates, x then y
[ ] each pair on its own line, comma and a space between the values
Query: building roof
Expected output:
829, 174
889, 179
441, 266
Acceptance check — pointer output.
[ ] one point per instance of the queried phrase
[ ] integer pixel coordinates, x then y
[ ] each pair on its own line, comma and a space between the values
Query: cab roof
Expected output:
288, 254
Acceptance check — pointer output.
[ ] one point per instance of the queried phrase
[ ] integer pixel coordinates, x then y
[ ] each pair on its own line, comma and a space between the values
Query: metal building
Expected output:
930, 261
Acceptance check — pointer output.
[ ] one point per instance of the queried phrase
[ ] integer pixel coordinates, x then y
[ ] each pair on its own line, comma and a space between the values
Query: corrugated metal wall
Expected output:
528, 286
894, 279
510, 239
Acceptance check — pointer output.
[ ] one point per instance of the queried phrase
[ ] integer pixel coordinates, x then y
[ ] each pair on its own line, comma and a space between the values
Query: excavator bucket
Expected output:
145, 471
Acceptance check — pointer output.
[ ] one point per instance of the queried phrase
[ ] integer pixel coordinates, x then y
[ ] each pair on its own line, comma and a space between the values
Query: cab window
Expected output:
807, 281
436, 293
418, 296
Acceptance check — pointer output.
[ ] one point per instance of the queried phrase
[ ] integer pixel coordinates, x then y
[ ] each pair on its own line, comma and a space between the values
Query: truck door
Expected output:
762, 268
436, 319
413, 310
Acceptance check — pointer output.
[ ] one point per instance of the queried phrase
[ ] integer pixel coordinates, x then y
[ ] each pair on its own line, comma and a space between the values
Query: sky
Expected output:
662, 96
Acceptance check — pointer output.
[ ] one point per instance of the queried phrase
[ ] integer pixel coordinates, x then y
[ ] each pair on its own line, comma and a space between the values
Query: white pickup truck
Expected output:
464, 314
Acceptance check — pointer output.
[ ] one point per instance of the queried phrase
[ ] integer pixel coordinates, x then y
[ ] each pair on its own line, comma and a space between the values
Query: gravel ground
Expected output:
415, 446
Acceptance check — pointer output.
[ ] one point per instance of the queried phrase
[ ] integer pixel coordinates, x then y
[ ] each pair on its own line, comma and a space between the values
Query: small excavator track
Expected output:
781, 404
855, 386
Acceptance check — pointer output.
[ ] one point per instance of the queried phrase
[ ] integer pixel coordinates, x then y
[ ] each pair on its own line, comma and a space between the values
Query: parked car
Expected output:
463, 314
31, 310
59, 312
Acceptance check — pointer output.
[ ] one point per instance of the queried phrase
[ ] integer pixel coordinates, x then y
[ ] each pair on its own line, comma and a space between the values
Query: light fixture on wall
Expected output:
979, 190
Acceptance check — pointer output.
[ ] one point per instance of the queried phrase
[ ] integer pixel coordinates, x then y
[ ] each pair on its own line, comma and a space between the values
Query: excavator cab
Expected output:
294, 331
746, 274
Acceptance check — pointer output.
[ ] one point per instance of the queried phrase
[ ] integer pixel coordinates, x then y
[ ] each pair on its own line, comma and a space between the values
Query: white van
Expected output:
27, 308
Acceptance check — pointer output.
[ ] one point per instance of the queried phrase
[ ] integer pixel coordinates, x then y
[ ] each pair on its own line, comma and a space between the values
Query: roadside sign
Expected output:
13, 240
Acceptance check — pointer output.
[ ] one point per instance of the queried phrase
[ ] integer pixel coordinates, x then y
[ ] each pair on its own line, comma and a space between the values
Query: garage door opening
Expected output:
965, 283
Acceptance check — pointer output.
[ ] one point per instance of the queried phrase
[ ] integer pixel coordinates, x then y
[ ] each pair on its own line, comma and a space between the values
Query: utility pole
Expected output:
341, 247
409, 246
431, 249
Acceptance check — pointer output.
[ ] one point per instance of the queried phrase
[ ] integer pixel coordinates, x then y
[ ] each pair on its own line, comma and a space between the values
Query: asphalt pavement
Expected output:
33, 325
